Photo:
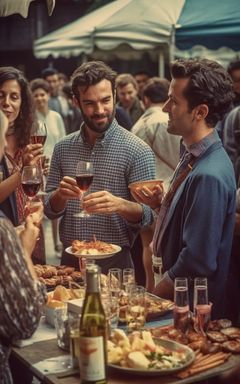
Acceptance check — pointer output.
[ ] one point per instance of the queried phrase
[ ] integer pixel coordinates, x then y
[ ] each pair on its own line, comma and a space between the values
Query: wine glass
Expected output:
202, 308
84, 178
39, 133
181, 304
39, 136
114, 281
31, 181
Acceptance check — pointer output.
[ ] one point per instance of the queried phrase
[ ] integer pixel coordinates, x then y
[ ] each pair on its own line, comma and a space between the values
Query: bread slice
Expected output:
137, 360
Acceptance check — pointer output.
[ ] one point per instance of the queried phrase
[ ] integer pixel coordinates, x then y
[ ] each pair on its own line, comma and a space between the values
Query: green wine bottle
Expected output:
93, 332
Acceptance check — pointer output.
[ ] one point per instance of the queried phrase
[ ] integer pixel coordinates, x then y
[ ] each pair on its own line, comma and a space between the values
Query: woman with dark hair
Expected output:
22, 121
17, 105
20, 314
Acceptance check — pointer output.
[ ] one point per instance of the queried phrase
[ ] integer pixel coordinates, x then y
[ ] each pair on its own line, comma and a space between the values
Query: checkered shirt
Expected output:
119, 158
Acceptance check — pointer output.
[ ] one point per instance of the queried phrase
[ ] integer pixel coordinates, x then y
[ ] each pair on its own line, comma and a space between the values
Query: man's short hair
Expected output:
39, 83
91, 73
233, 66
209, 83
124, 79
49, 72
156, 89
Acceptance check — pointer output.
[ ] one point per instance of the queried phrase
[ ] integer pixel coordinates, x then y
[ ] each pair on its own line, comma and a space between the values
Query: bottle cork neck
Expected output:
92, 283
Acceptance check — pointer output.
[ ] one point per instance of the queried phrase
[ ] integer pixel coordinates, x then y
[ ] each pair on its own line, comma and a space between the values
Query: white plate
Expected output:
171, 345
117, 249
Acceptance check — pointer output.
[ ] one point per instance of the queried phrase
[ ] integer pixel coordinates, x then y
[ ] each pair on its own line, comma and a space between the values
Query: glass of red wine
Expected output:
31, 181
39, 136
38, 133
84, 178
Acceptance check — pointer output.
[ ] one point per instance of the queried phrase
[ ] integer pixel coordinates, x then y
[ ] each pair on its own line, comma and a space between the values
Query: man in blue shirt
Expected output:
119, 159
194, 228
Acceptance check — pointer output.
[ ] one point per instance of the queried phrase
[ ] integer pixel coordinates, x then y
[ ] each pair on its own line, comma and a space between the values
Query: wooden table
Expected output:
48, 349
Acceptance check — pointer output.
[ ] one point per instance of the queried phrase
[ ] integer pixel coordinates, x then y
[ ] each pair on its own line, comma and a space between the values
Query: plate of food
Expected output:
155, 306
53, 275
95, 249
140, 354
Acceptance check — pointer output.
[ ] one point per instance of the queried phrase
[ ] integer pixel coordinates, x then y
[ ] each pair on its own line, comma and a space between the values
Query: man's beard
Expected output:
94, 126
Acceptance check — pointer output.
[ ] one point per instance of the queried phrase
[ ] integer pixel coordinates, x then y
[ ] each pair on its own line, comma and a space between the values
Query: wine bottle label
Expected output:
92, 367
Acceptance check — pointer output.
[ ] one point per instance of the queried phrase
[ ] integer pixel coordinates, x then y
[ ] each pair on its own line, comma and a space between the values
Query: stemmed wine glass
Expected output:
39, 136
84, 178
39, 133
31, 181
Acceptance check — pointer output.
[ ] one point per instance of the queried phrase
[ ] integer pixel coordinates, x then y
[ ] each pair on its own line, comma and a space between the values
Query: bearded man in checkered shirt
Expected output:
119, 158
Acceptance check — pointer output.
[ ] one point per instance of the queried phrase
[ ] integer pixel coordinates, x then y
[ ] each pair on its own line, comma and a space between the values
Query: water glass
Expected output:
181, 304
62, 328
114, 281
114, 312
74, 325
136, 308
202, 308
128, 277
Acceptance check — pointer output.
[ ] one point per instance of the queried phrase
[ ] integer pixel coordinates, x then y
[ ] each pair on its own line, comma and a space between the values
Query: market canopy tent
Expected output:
129, 28
10, 7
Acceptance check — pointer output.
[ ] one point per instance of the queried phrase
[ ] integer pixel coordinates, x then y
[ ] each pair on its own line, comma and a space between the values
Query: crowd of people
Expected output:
185, 131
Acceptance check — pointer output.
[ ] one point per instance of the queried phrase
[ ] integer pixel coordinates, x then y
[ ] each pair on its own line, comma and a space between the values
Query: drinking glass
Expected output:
128, 278
111, 309
114, 281
39, 136
114, 311
31, 180
84, 179
202, 308
136, 308
62, 327
39, 133
74, 325
181, 304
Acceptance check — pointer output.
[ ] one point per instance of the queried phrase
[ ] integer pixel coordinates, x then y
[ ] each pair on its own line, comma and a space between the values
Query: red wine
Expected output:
38, 139
84, 181
31, 188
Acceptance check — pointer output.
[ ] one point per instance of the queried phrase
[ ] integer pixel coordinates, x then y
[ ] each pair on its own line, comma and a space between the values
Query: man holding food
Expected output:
119, 158
195, 223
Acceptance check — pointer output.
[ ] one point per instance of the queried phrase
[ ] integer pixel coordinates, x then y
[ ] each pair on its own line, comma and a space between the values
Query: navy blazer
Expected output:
197, 233
9, 206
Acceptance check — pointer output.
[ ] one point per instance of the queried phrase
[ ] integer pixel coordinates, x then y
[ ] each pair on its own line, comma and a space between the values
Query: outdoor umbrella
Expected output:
132, 27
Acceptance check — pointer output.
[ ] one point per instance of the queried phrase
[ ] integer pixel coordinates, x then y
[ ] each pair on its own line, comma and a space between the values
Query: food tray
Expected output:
160, 306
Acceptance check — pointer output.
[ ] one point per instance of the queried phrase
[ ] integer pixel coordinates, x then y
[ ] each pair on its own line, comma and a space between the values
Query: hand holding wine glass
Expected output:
84, 179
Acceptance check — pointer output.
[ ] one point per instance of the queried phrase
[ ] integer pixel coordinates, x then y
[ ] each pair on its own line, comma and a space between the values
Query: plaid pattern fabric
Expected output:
119, 159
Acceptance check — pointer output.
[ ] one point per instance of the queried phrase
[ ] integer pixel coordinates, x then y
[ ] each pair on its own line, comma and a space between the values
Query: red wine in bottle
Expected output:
84, 181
